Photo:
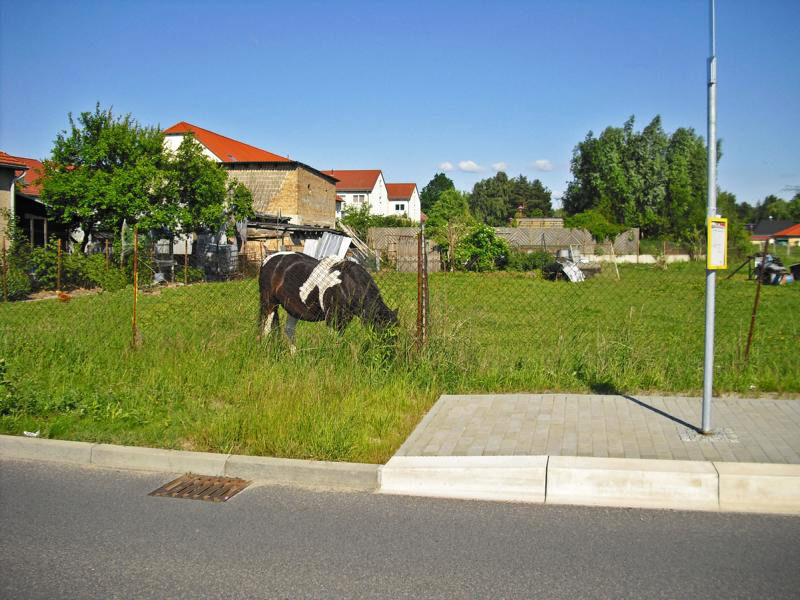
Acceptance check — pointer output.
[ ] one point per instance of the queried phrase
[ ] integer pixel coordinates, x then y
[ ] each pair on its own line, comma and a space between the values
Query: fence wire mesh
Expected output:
197, 341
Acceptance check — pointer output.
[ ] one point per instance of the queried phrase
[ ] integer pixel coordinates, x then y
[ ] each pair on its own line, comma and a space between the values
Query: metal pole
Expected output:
419, 290
58, 267
755, 304
711, 211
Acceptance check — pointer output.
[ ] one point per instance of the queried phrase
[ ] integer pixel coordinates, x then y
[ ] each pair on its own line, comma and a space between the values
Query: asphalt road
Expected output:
79, 532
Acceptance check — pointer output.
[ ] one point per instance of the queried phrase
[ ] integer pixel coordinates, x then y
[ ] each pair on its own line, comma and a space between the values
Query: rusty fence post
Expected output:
419, 291
135, 339
5, 271
755, 303
426, 308
108, 256
58, 267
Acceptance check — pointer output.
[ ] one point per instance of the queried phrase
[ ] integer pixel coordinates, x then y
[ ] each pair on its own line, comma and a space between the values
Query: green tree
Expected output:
430, 193
481, 250
491, 202
738, 236
641, 179
773, 207
449, 219
497, 199
101, 171
359, 219
794, 208
595, 223
107, 170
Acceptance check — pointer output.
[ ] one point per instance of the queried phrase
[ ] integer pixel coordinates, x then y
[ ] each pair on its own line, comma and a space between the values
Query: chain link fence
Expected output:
103, 331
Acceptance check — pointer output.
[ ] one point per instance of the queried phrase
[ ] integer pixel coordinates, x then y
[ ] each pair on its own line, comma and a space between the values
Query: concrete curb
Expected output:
640, 483
508, 478
303, 473
591, 481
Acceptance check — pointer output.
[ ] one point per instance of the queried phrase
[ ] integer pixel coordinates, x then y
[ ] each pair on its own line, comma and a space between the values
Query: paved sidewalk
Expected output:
658, 427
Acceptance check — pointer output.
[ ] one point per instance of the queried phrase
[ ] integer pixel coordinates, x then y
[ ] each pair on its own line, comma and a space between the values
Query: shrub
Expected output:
193, 275
481, 250
527, 261
18, 284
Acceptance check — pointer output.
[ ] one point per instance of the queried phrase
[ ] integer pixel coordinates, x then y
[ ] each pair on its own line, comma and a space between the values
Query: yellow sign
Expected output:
717, 252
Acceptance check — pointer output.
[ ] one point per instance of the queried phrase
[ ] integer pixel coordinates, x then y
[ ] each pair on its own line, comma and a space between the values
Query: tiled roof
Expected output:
34, 173
224, 148
793, 231
361, 180
768, 227
400, 191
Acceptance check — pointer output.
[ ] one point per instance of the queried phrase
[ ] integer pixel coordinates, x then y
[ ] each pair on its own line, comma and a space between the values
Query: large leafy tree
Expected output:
645, 179
497, 199
773, 207
106, 170
430, 193
449, 220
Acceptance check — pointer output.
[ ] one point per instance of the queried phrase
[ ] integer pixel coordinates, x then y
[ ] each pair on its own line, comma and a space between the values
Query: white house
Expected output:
358, 187
404, 200
368, 186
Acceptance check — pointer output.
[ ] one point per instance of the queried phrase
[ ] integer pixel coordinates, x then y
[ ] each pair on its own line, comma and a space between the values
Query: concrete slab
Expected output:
13, 446
304, 473
507, 478
157, 459
640, 483
754, 487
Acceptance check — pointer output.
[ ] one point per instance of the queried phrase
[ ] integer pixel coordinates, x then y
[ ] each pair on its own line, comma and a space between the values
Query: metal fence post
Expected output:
755, 303
419, 291
58, 266
426, 308
135, 340
5, 271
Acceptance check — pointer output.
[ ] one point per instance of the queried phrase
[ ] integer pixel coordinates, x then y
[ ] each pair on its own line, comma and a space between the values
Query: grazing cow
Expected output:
330, 289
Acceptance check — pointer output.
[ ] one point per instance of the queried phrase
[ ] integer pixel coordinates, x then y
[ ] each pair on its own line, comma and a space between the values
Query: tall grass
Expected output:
201, 380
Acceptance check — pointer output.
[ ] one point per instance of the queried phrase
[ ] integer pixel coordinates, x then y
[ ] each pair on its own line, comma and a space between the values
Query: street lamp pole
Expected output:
711, 211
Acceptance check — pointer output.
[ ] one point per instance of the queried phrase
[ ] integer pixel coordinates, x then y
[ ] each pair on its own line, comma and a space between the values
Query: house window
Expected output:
400, 207
360, 198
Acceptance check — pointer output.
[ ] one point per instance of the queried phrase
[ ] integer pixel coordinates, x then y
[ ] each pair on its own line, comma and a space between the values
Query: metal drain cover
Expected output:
202, 487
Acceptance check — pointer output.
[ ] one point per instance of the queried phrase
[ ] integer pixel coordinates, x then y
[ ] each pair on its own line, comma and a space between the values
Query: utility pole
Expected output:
711, 211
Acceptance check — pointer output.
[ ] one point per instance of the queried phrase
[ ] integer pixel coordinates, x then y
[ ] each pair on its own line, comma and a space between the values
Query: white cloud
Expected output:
446, 166
500, 166
543, 165
469, 166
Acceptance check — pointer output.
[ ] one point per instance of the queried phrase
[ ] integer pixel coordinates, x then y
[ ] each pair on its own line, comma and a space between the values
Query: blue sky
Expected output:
406, 87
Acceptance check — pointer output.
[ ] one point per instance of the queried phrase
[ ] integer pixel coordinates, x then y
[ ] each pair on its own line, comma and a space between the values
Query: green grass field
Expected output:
201, 380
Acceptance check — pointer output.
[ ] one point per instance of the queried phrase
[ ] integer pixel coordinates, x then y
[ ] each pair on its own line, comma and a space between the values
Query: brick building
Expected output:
281, 187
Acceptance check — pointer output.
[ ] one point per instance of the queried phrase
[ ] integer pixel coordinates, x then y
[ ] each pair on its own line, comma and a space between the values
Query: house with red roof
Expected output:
359, 187
282, 188
789, 236
404, 199
20, 187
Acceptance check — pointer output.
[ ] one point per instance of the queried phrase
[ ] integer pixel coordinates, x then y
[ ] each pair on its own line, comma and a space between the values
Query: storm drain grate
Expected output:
202, 487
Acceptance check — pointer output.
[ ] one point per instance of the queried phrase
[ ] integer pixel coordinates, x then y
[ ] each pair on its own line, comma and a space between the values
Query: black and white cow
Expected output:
330, 289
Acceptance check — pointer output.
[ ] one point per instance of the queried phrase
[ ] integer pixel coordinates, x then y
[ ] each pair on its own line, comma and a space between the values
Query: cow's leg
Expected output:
291, 324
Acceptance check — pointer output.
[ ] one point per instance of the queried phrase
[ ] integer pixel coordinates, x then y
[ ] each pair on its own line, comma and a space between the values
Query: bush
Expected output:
595, 223
192, 275
481, 250
93, 273
527, 261
18, 284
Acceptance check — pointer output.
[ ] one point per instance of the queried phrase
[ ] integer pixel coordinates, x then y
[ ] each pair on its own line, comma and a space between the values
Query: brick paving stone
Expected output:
749, 430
